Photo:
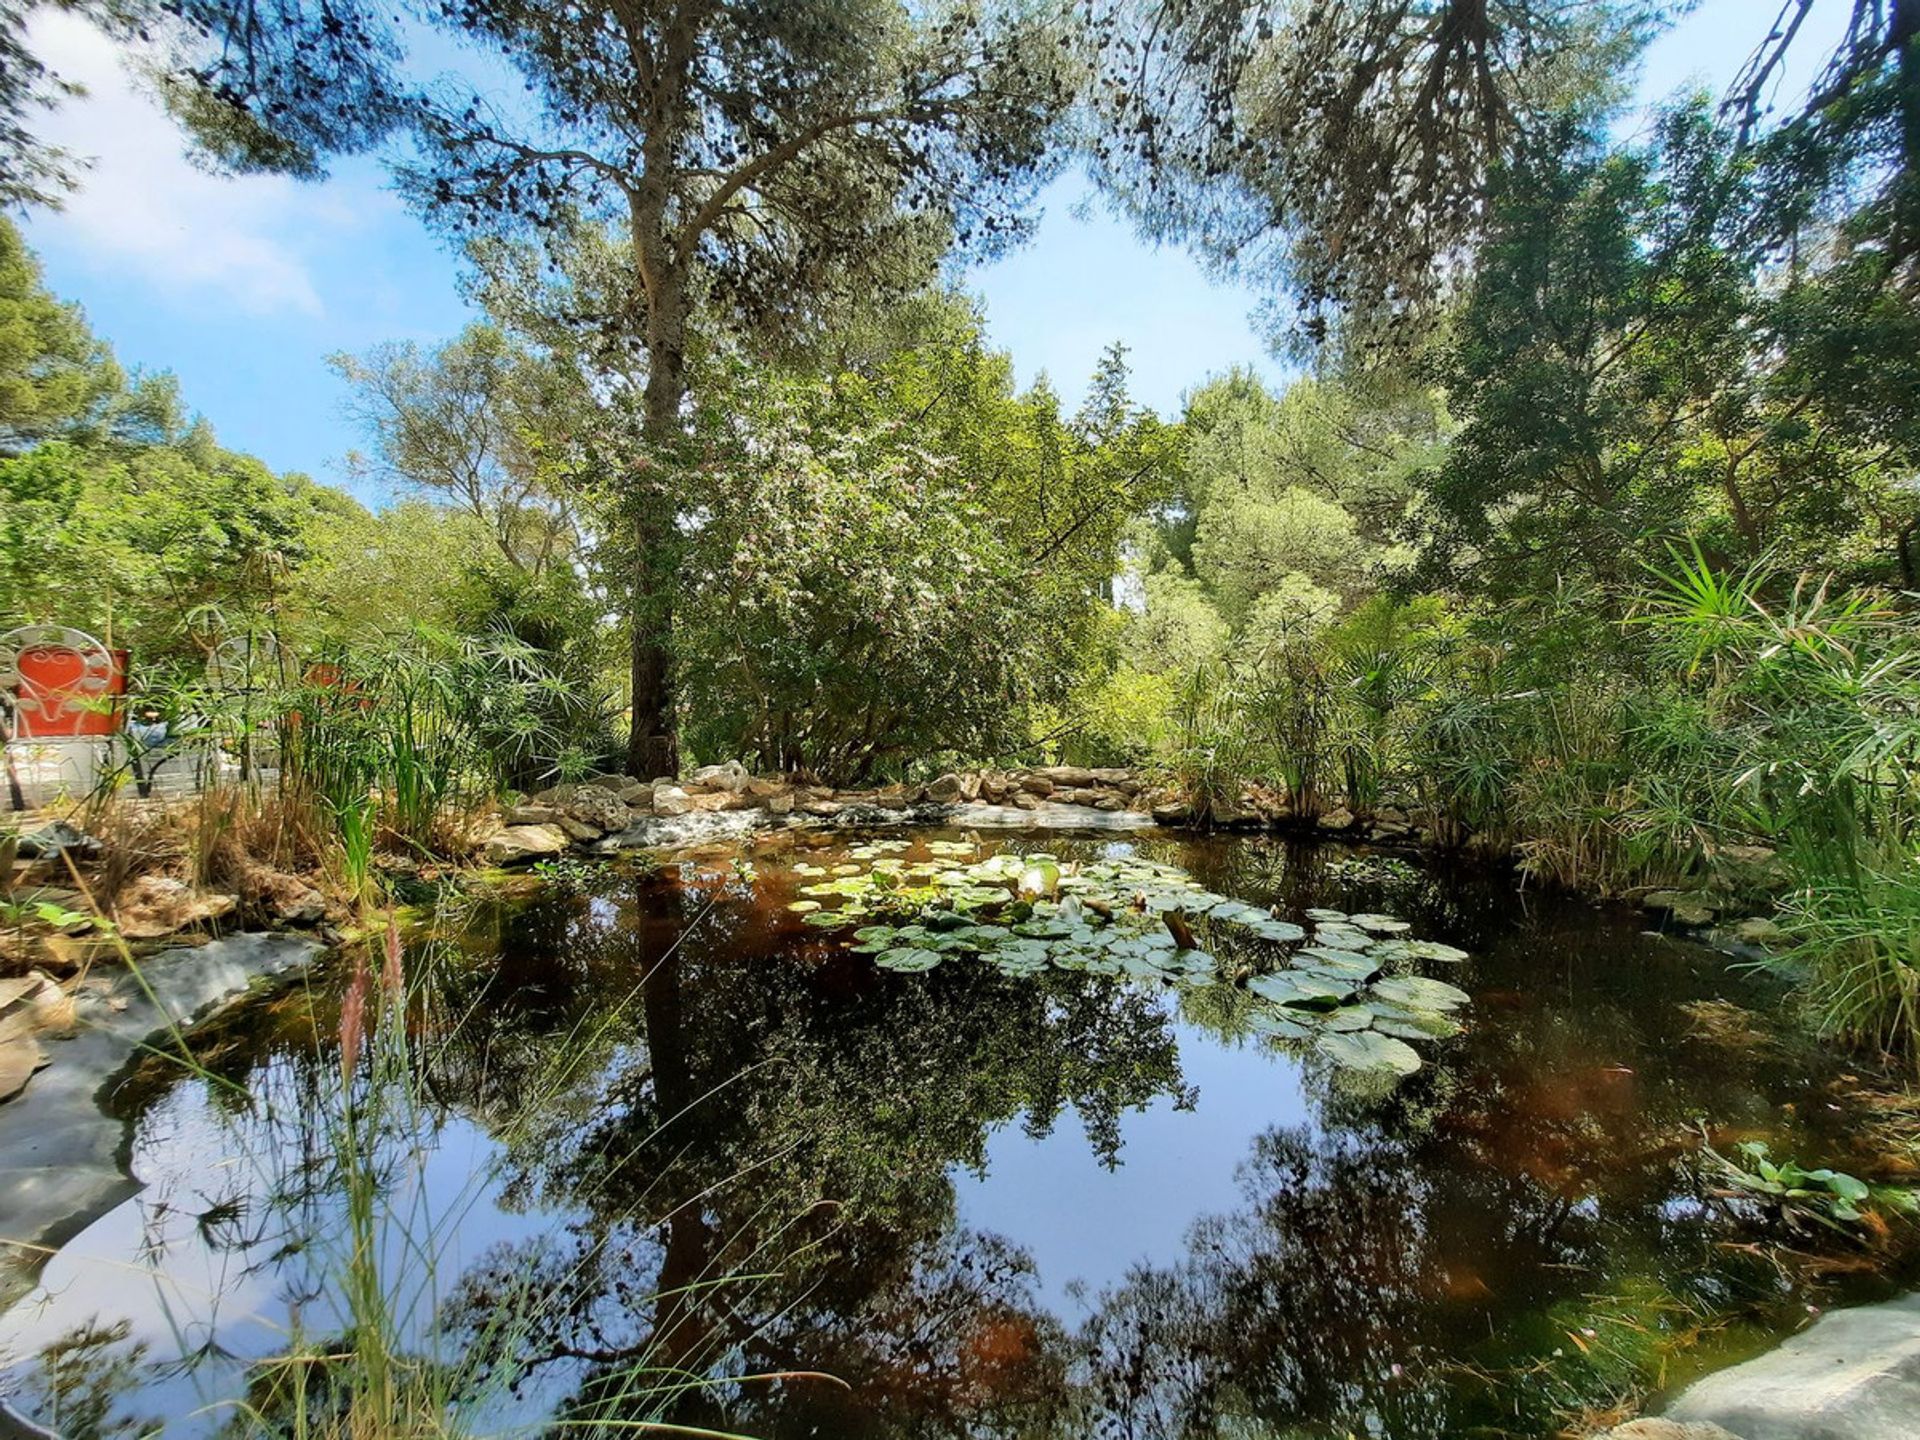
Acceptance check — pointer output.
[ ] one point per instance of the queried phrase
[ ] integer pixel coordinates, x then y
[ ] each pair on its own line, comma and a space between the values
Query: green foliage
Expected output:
53, 372
1825, 1195
902, 560
1633, 362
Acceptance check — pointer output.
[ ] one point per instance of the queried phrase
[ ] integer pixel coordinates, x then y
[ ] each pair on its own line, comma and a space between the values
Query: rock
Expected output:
598, 807
1110, 800
1229, 813
63, 1159
671, 800
636, 794
157, 905
50, 842
994, 789
1691, 908
30, 1006
713, 801
300, 907
948, 789
1336, 820
20, 1057
1036, 785
731, 777
1172, 812
580, 830
1758, 930
1655, 1428
281, 898
1069, 776
893, 797
518, 844
761, 787
531, 815
825, 809
1391, 815
1851, 1375
553, 795
1026, 800
781, 804
1390, 830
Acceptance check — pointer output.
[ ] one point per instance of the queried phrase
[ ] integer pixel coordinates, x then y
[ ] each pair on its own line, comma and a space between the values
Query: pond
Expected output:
676, 1148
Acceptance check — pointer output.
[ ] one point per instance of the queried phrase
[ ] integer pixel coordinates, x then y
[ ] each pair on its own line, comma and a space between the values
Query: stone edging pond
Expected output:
63, 1157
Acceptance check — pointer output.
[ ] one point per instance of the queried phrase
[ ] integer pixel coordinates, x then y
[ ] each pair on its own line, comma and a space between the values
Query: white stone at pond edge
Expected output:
518, 843
1654, 1428
671, 800
731, 776
1852, 1375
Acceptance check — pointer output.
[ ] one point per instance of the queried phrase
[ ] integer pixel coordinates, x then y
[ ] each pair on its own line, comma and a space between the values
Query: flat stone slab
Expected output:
1851, 1375
62, 1157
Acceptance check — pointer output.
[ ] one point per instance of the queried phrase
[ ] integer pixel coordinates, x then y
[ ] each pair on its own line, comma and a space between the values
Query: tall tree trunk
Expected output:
653, 747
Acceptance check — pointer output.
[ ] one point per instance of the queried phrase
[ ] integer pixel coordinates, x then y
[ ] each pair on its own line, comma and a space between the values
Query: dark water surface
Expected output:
701, 1134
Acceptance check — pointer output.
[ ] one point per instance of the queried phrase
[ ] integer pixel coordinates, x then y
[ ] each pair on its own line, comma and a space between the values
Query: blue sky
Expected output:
243, 286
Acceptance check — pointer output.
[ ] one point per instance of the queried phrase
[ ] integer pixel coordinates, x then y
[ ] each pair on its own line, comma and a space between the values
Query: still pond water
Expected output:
664, 1121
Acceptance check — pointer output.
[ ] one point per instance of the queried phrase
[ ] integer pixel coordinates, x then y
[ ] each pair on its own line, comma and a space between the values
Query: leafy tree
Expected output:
758, 165
469, 423
1177, 629
1341, 150
257, 84
1632, 364
904, 561
1246, 547
56, 377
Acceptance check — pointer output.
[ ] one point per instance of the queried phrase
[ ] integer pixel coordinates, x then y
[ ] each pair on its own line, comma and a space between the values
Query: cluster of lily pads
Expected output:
1341, 987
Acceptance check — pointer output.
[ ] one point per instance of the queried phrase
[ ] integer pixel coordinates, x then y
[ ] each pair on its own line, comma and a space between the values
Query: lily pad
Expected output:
909, 958
1368, 1050
1381, 924
1279, 1023
1293, 987
1420, 992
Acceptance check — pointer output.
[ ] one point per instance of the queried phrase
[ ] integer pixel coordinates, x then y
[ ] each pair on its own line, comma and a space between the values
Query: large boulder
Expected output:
518, 844
1851, 1375
599, 807
1655, 1428
671, 800
1070, 777
731, 777
947, 790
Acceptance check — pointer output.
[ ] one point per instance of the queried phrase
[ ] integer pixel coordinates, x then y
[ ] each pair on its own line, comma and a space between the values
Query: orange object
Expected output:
65, 691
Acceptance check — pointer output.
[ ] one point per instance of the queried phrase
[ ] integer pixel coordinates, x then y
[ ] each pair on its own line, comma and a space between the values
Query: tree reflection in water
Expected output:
754, 1159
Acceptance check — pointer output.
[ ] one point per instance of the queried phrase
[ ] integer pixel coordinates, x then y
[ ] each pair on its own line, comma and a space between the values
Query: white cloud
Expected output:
195, 238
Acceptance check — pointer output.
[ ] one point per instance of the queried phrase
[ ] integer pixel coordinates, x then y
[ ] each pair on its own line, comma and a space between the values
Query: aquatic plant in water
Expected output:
1342, 987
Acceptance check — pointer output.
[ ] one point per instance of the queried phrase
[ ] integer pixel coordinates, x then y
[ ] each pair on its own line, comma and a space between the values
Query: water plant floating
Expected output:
1343, 987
